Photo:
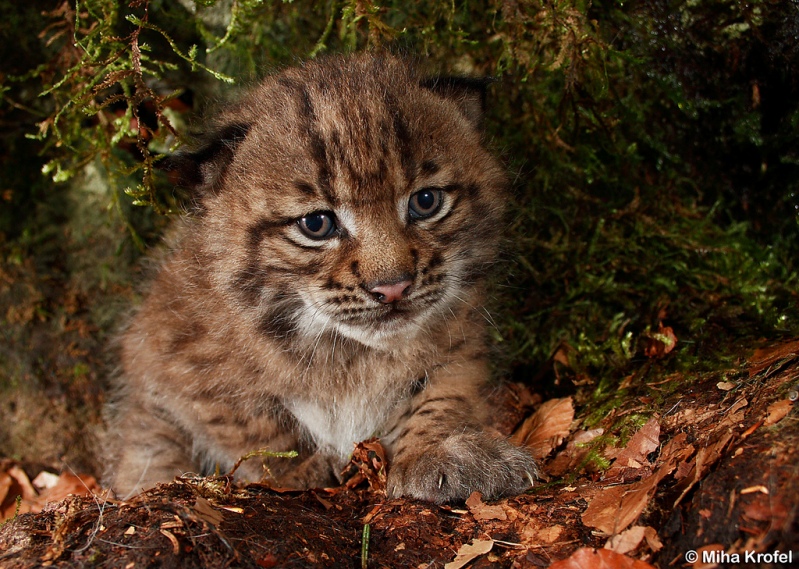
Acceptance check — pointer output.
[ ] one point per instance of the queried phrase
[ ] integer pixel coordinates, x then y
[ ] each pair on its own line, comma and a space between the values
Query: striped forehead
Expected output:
358, 143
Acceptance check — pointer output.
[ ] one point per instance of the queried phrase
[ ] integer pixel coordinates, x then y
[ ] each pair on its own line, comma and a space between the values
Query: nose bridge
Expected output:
385, 256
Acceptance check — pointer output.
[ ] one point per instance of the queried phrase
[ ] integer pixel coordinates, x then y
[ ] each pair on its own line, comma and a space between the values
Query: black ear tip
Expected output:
169, 163
468, 93
200, 165
452, 85
182, 170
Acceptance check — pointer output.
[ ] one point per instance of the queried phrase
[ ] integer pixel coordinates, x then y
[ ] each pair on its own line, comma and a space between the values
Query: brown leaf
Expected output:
766, 357
642, 443
66, 485
777, 411
705, 458
652, 539
482, 511
615, 508
587, 558
766, 508
206, 512
676, 448
468, 553
626, 541
7, 503
545, 429
14, 485
631, 538
574, 453
27, 491
659, 343
549, 534
367, 463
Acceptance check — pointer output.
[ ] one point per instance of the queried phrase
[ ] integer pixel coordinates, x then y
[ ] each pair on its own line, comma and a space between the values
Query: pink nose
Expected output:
388, 293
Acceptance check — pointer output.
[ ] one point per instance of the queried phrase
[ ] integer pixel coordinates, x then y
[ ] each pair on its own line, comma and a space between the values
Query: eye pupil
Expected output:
318, 225
314, 223
426, 200
424, 203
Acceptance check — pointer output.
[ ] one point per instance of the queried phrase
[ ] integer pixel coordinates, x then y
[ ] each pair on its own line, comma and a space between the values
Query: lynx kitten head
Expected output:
349, 200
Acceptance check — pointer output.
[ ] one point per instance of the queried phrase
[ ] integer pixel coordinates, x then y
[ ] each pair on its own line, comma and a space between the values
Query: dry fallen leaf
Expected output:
616, 507
28, 492
6, 483
574, 453
66, 485
767, 508
545, 429
631, 538
14, 484
642, 443
676, 448
549, 535
659, 343
705, 458
468, 553
206, 512
652, 539
777, 411
368, 463
626, 541
678, 451
764, 358
482, 511
587, 558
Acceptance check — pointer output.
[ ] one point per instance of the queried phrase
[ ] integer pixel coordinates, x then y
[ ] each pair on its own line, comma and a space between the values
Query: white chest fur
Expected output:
337, 424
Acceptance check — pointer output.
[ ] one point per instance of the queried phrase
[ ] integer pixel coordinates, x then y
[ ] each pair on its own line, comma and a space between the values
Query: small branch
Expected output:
264, 453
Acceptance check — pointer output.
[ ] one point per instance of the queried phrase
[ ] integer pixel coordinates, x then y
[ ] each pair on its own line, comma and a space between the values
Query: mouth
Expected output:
375, 324
380, 315
394, 313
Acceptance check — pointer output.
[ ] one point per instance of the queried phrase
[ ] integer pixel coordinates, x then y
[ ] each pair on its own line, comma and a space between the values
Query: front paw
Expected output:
459, 465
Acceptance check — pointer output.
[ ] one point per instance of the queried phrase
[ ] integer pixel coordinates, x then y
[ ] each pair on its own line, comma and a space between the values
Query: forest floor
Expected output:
708, 480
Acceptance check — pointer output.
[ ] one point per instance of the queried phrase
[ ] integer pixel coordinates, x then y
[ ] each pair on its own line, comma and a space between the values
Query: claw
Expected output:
440, 480
530, 478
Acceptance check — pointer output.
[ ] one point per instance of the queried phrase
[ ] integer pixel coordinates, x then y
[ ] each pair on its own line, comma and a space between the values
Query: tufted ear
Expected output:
469, 93
201, 166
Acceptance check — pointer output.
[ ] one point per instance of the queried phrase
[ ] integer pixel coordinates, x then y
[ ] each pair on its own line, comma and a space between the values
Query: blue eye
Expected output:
318, 225
425, 203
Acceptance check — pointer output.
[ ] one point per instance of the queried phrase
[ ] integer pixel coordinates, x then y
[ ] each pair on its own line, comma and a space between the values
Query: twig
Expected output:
262, 452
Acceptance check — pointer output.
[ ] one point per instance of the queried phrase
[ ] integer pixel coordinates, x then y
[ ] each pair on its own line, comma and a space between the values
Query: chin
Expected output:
383, 334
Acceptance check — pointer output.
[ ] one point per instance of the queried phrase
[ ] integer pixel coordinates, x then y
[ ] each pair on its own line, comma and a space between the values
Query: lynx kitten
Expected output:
326, 289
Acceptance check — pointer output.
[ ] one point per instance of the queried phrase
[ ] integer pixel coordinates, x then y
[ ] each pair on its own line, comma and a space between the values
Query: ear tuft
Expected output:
201, 167
468, 93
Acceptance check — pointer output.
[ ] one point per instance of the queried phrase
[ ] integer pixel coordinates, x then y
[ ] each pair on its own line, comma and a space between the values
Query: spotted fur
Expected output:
258, 333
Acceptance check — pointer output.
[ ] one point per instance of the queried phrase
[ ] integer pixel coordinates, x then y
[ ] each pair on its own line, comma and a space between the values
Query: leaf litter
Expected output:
644, 510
